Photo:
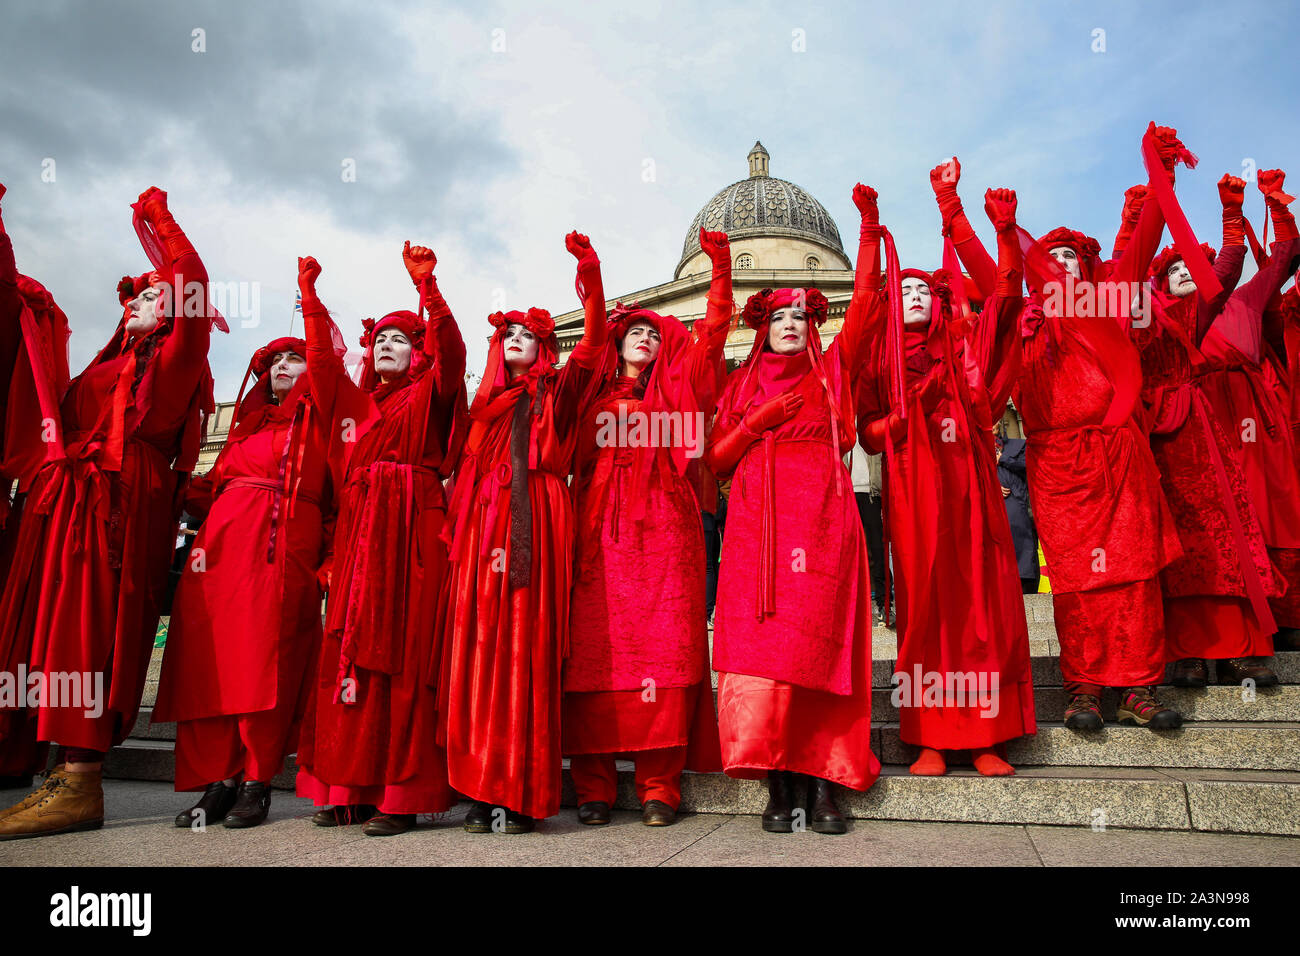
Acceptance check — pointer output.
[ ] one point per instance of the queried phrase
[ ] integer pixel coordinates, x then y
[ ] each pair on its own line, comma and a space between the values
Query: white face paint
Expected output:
392, 352
144, 312
1181, 282
285, 369
640, 347
787, 334
520, 348
1068, 259
917, 301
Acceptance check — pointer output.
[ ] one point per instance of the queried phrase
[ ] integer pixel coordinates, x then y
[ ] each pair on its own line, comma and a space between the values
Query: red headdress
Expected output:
1168, 256
259, 368
496, 375
410, 325
1086, 249
760, 306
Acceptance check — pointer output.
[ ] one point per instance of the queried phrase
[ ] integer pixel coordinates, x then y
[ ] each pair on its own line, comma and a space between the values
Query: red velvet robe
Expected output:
370, 733
504, 646
1216, 594
793, 655
960, 608
99, 526
638, 612
246, 631
1249, 399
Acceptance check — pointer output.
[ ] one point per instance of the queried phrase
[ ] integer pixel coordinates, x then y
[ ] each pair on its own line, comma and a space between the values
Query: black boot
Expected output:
212, 807
343, 815
823, 815
479, 818
252, 804
519, 822
388, 824
778, 817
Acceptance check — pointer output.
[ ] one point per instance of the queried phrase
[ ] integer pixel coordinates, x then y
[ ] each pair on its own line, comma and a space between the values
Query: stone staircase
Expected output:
1233, 767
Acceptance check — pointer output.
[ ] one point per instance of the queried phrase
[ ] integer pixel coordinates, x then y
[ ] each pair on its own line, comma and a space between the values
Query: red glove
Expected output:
943, 180
1170, 148
865, 198
1134, 197
1270, 182
715, 245
420, 262
580, 247
153, 203
874, 433
1000, 206
773, 412
1232, 194
308, 273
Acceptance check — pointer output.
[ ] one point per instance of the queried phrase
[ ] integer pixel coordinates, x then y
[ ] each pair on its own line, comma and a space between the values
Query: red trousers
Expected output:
1216, 627
220, 748
658, 775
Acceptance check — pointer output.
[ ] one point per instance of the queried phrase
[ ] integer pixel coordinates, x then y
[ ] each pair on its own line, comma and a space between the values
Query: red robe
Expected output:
504, 643
246, 631
1216, 594
638, 612
1250, 401
370, 733
99, 527
792, 627
960, 607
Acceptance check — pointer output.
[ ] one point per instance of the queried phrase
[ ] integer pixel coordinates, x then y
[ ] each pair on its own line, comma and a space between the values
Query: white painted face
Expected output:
285, 369
918, 304
1068, 259
787, 333
144, 312
1181, 282
392, 353
520, 347
640, 347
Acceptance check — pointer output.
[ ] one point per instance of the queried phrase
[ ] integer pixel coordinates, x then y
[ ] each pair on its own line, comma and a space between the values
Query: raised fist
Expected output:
865, 198
579, 246
308, 272
1270, 181
1169, 147
716, 245
945, 177
1000, 205
419, 261
153, 200
1134, 197
773, 412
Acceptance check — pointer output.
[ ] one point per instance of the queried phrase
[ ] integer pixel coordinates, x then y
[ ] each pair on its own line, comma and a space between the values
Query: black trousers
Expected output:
873, 525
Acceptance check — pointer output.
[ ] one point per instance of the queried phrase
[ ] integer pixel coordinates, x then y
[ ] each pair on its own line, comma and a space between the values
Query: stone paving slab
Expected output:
139, 832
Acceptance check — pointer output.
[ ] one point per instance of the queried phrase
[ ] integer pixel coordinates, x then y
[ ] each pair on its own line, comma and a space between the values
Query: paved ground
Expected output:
139, 832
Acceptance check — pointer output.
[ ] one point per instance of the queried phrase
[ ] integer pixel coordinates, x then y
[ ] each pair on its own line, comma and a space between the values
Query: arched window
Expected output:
744, 261
812, 263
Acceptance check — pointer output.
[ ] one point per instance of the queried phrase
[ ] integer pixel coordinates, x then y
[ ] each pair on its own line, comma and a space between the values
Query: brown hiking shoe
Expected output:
1083, 712
1190, 672
68, 803
1138, 705
35, 796
1238, 670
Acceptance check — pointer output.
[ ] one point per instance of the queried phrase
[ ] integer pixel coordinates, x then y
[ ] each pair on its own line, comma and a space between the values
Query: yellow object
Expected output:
1044, 585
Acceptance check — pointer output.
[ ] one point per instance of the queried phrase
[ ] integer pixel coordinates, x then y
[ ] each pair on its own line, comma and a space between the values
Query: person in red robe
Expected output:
369, 741
90, 564
246, 632
792, 628
939, 385
1105, 527
1246, 392
636, 681
25, 304
511, 531
1216, 596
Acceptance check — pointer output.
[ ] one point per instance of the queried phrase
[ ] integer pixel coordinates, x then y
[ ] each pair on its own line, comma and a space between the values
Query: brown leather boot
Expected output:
35, 796
1238, 670
68, 803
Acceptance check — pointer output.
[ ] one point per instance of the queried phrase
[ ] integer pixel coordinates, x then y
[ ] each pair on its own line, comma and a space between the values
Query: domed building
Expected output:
781, 237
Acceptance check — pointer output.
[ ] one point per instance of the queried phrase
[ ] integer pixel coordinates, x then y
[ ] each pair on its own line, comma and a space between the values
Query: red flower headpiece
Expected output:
131, 286
760, 306
537, 321
405, 321
261, 363
1086, 248
622, 317
1168, 256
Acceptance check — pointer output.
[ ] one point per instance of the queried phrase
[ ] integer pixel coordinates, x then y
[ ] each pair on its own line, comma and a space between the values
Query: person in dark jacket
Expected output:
1015, 493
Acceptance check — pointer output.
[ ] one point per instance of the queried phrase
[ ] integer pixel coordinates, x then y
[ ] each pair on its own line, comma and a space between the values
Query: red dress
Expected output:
370, 733
1250, 400
1216, 595
507, 630
637, 675
960, 607
792, 627
99, 526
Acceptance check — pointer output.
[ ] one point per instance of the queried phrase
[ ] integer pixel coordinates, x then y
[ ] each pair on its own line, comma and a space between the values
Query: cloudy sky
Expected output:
488, 130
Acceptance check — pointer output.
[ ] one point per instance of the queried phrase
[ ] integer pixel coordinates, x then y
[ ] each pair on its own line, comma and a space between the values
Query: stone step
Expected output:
1209, 704
1201, 745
